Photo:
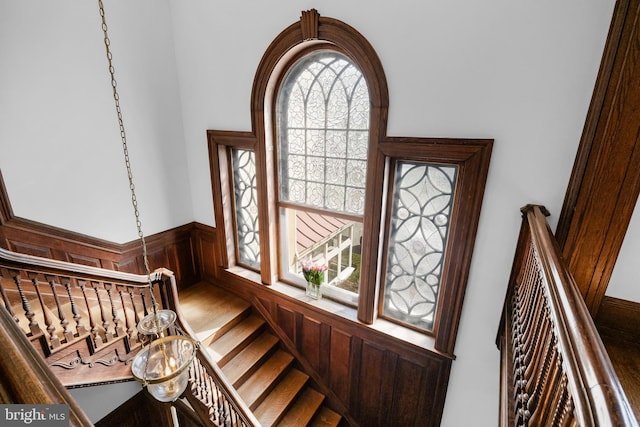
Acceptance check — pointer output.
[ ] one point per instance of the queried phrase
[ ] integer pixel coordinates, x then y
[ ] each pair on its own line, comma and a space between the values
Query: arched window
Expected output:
318, 179
322, 131
323, 134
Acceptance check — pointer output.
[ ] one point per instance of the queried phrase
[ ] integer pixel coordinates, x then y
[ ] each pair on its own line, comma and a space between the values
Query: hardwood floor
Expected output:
624, 353
266, 377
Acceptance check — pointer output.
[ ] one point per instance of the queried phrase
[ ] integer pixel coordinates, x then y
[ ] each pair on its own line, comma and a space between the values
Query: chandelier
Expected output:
162, 362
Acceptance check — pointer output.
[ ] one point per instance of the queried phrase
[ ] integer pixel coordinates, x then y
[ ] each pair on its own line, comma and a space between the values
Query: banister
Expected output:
231, 409
26, 377
70, 267
242, 411
594, 393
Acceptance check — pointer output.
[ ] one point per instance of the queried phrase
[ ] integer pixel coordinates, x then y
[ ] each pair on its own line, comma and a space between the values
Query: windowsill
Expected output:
390, 329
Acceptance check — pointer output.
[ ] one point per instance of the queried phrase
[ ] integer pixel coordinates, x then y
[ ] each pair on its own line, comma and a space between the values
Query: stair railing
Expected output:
210, 393
61, 306
26, 377
554, 368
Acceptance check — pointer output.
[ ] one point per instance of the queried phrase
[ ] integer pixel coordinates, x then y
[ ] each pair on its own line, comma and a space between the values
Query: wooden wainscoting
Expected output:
177, 249
380, 380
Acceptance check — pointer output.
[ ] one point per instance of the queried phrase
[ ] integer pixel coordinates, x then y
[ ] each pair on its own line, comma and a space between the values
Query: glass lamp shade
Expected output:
157, 322
162, 366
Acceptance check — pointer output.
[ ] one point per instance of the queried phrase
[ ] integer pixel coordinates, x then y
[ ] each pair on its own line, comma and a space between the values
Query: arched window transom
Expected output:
323, 138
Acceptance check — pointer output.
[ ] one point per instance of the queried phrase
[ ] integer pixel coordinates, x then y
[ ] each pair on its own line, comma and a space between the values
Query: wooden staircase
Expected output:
251, 357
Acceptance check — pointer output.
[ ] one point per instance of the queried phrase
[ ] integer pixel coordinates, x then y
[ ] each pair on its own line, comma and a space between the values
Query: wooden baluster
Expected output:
80, 329
566, 417
225, 415
535, 351
540, 369
64, 323
520, 382
34, 328
541, 406
7, 303
197, 380
51, 330
127, 319
560, 402
144, 303
529, 325
117, 326
95, 332
136, 316
550, 368
108, 336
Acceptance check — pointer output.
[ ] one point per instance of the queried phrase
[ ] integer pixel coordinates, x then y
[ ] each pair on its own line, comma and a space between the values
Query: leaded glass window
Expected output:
323, 138
423, 196
246, 207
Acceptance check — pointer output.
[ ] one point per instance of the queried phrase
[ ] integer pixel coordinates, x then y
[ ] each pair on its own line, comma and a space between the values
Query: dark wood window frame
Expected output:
472, 157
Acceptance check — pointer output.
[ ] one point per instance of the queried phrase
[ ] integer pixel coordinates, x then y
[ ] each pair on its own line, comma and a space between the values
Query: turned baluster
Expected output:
196, 379
225, 413
529, 326
543, 404
80, 329
51, 330
136, 316
144, 303
7, 303
550, 370
95, 332
105, 322
64, 323
538, 377
127, 317
533, 350
117, 327
34, 328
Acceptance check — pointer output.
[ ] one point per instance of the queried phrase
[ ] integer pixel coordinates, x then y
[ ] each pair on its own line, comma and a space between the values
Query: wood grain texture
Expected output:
605, 183
625, 357
560, 368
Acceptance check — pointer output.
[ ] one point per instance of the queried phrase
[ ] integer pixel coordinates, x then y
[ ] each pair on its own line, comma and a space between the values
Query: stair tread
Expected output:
198, 304
234, 340
303, 409
247, 360
326, 418
258, 385
281, 397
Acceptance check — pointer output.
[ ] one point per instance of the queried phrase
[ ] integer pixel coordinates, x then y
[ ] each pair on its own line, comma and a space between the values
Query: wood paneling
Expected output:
339, 358
206, 259
619, 317
172, 249
378, 379
605, 183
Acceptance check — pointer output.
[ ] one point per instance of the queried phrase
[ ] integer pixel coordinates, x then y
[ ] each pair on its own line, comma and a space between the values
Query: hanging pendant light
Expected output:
161, 365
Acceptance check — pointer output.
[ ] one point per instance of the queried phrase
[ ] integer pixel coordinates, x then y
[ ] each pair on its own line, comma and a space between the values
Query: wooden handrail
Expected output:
208, 383
214, 400
26, 377
558, 368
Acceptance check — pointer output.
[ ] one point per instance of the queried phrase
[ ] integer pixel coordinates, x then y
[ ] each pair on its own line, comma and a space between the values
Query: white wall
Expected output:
60, 148
519, 72
99, 401
625, 280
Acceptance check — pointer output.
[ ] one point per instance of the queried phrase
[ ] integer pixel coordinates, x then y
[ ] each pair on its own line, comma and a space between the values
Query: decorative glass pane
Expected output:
323, 124
246, 207
423, 197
